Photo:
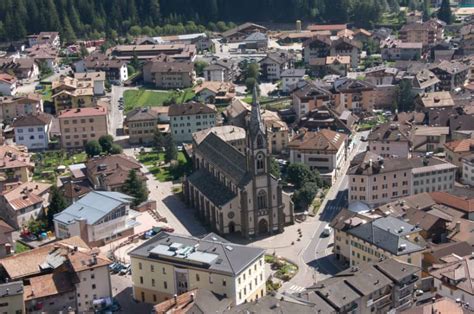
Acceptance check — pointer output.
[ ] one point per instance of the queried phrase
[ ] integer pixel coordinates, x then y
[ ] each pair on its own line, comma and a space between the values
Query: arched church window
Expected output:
260, 162
260, 142
262, 199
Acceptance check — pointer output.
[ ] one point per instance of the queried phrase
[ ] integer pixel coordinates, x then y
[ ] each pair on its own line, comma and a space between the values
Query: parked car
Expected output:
125, 269
326, 231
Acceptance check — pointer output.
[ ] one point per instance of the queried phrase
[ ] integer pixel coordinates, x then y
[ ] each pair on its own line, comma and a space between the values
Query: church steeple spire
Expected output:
256, 124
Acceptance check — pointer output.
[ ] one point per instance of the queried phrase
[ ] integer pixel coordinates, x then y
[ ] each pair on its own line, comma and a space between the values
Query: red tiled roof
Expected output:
83, 112
460, 146
461, 203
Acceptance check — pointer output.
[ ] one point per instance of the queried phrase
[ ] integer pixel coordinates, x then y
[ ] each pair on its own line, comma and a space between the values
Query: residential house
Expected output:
333, 29
73, 191
309, 97
94, 79
468, 170
44, 54
15, 164
222, 70
337, 65
257, 41
32, 130
381, 75
15, 106
185, 119
458, 149
8, 85
215, 92
239, 33
429, 138
434, 101
325, 118
344, 46
274, 64
141, 124
97, 218
390, 140
452, 74
81, 125
462, 205
324, 151
439, 305
64, 275
196, 300
108, 173
22, 68
11, 297
45, 38
71, 93
439, 253
116, 70
278, 133
165, 72
376, 181
230, 134
355, 95
425, 81
427, 33
179, 52
393, 49
23, 201
289, 79
316, 48
414, 17
234, 271
6, 240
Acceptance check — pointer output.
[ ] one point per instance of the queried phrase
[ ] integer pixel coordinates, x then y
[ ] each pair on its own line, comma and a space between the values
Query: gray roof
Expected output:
214, 190
11, 288
92, 207
396, 270
257, 36
211, 252
388, 233
271, 305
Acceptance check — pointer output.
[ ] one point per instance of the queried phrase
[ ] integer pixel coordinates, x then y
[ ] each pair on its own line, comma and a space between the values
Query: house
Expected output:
429, 138
390, 140
462, 205
452, 74
185, 119
45, 38
215, 92
326, 118
15, 164
179, 52
196, 300
376, 181
427, 33
344, 46
355, 95
234, 271
311, 96
66, 274
316, 48
434, 101
337, 65
278, 132
239, 33
68, 93
257, 41
6, 241
414, 17
439, 253
458, 149
116, 70
81, 125
319, 47
8, 85
109, 173
223, 187
393, 49
439, 305
22, 68
44, 54
468, 170
453, 280
73, 191
12, 107
94, 79
97, 218
141, 124
381, 75
222, 70
332, 28
11, 297
166, 72
23, 201
290, 77
274, 64
32, 130
324, 151
425, 81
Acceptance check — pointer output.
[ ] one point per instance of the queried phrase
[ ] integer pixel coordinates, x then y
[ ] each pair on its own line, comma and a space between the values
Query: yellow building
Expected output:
71, 93
169, 265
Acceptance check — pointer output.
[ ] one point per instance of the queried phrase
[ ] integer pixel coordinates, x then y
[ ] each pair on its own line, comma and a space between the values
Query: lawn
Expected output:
20, 247
155, 164
142, 98
46, 92
46, 163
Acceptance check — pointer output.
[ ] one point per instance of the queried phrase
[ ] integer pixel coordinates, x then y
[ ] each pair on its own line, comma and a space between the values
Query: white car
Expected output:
326, 231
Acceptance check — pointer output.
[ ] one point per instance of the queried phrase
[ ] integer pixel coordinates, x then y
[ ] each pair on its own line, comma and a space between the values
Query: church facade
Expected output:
234, 191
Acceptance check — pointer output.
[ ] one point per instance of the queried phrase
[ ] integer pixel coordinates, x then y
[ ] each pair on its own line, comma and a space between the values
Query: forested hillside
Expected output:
93, 18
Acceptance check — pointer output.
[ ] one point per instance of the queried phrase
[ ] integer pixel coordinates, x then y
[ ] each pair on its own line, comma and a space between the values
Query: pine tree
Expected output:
68, 35
56, 205
135, 187
444, 12
171, 152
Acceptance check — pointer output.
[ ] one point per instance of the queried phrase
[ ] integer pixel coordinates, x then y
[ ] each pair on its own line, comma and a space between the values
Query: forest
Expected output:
111, 18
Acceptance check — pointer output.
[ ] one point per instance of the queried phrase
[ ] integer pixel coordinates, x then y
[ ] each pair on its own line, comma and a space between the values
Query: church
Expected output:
233, 191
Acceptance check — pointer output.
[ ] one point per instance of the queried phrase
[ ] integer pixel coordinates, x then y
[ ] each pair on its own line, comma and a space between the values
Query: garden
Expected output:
284, 270
141, 98
47, 163
162, 171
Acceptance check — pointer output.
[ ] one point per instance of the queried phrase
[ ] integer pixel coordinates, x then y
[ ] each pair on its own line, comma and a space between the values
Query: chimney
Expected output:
175, 298
457, 227
192, 297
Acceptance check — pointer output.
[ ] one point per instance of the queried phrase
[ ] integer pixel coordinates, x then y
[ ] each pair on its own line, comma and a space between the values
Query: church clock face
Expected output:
231, 215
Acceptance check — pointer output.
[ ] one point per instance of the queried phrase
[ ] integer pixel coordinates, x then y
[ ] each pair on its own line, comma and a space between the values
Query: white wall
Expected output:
93, 284
33, 137
7, 89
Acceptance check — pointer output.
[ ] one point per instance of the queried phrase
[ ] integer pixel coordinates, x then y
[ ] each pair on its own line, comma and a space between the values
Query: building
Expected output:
11, 297
15, 164
44, 54
390, 140
434, 101
239, 33
71, 93
185, 119
165, 72
115, 69
458, 149
97, 218
233, 135
215, 92
468, 170
438, 306
326, 118
429, 138
453, 280
108, 173
257, 41
6, 239
452, 74
376, 181
393, 49
274, 64
345, 46
427, 33
12, 107
333, 29
289, 79
7, 84
316, 48
32, 130
63, 275
193, 301
94, 79
24, 201
269, 304
355, 95
179, 52
141, 124
235, 192
45, 38
278, 132
324, 151
22, 68
381, 75
81, 125
425, 81
222, 70
320, 46
310, 96
169, 265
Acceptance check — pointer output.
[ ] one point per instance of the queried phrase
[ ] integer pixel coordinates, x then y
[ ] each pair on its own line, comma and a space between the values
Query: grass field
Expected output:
165, 173
141, 98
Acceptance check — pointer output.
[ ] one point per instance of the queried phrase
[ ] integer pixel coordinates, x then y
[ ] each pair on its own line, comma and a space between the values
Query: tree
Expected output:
298, 174
115, 149
252, 71
171, 152
158, 140
304, 197
275, 168
56, 205
405, 96
444, 12
135, 30
426, 10
199, 66
36, 226
93, 148
106, 142
250, 83
135, 187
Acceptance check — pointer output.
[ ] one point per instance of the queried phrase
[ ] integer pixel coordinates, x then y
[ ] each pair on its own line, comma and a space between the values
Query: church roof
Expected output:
256, 125
212, 189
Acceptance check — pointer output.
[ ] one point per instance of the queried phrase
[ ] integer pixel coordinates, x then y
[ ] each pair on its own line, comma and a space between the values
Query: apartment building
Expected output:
239, 33
165, 72
452, 74
170, 264
274, 64
215, 92
309, 97
394, 49
434, 101
71, 93
222, 70
15, 163
355, 95
8, 84
376, 181
429, 138
458, 149
141, 124
427, 33
390, 140
468, 169
45, 38
116, 70
278, 132
183, 52
320, 46
324, 151
97, 218
81, 125
22, 68
425, 81
12, 107
185, 119
94, 79
11, 297
289, 79
33, 130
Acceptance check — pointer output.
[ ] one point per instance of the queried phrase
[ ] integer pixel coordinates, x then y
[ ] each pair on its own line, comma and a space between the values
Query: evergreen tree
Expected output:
426, 10
56, 205
158, 140
171, 152
405, 96
135, 187
68, 35
444, 12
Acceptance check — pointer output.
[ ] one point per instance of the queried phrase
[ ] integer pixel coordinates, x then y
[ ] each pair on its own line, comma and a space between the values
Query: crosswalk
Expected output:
295, 288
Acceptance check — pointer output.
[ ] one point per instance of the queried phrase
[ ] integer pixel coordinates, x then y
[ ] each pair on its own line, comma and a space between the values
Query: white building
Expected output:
97, 218
33, 130
468, 170
7, 84
289, 79
94, 79
185, 119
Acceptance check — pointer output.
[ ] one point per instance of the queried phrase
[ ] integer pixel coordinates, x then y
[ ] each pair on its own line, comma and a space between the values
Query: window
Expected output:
140, 266
92, 276
165, 284
260, 162
152, 268
224, 283
262, 199
93, 286
141, 279
154, 298
198, 278
152, 282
